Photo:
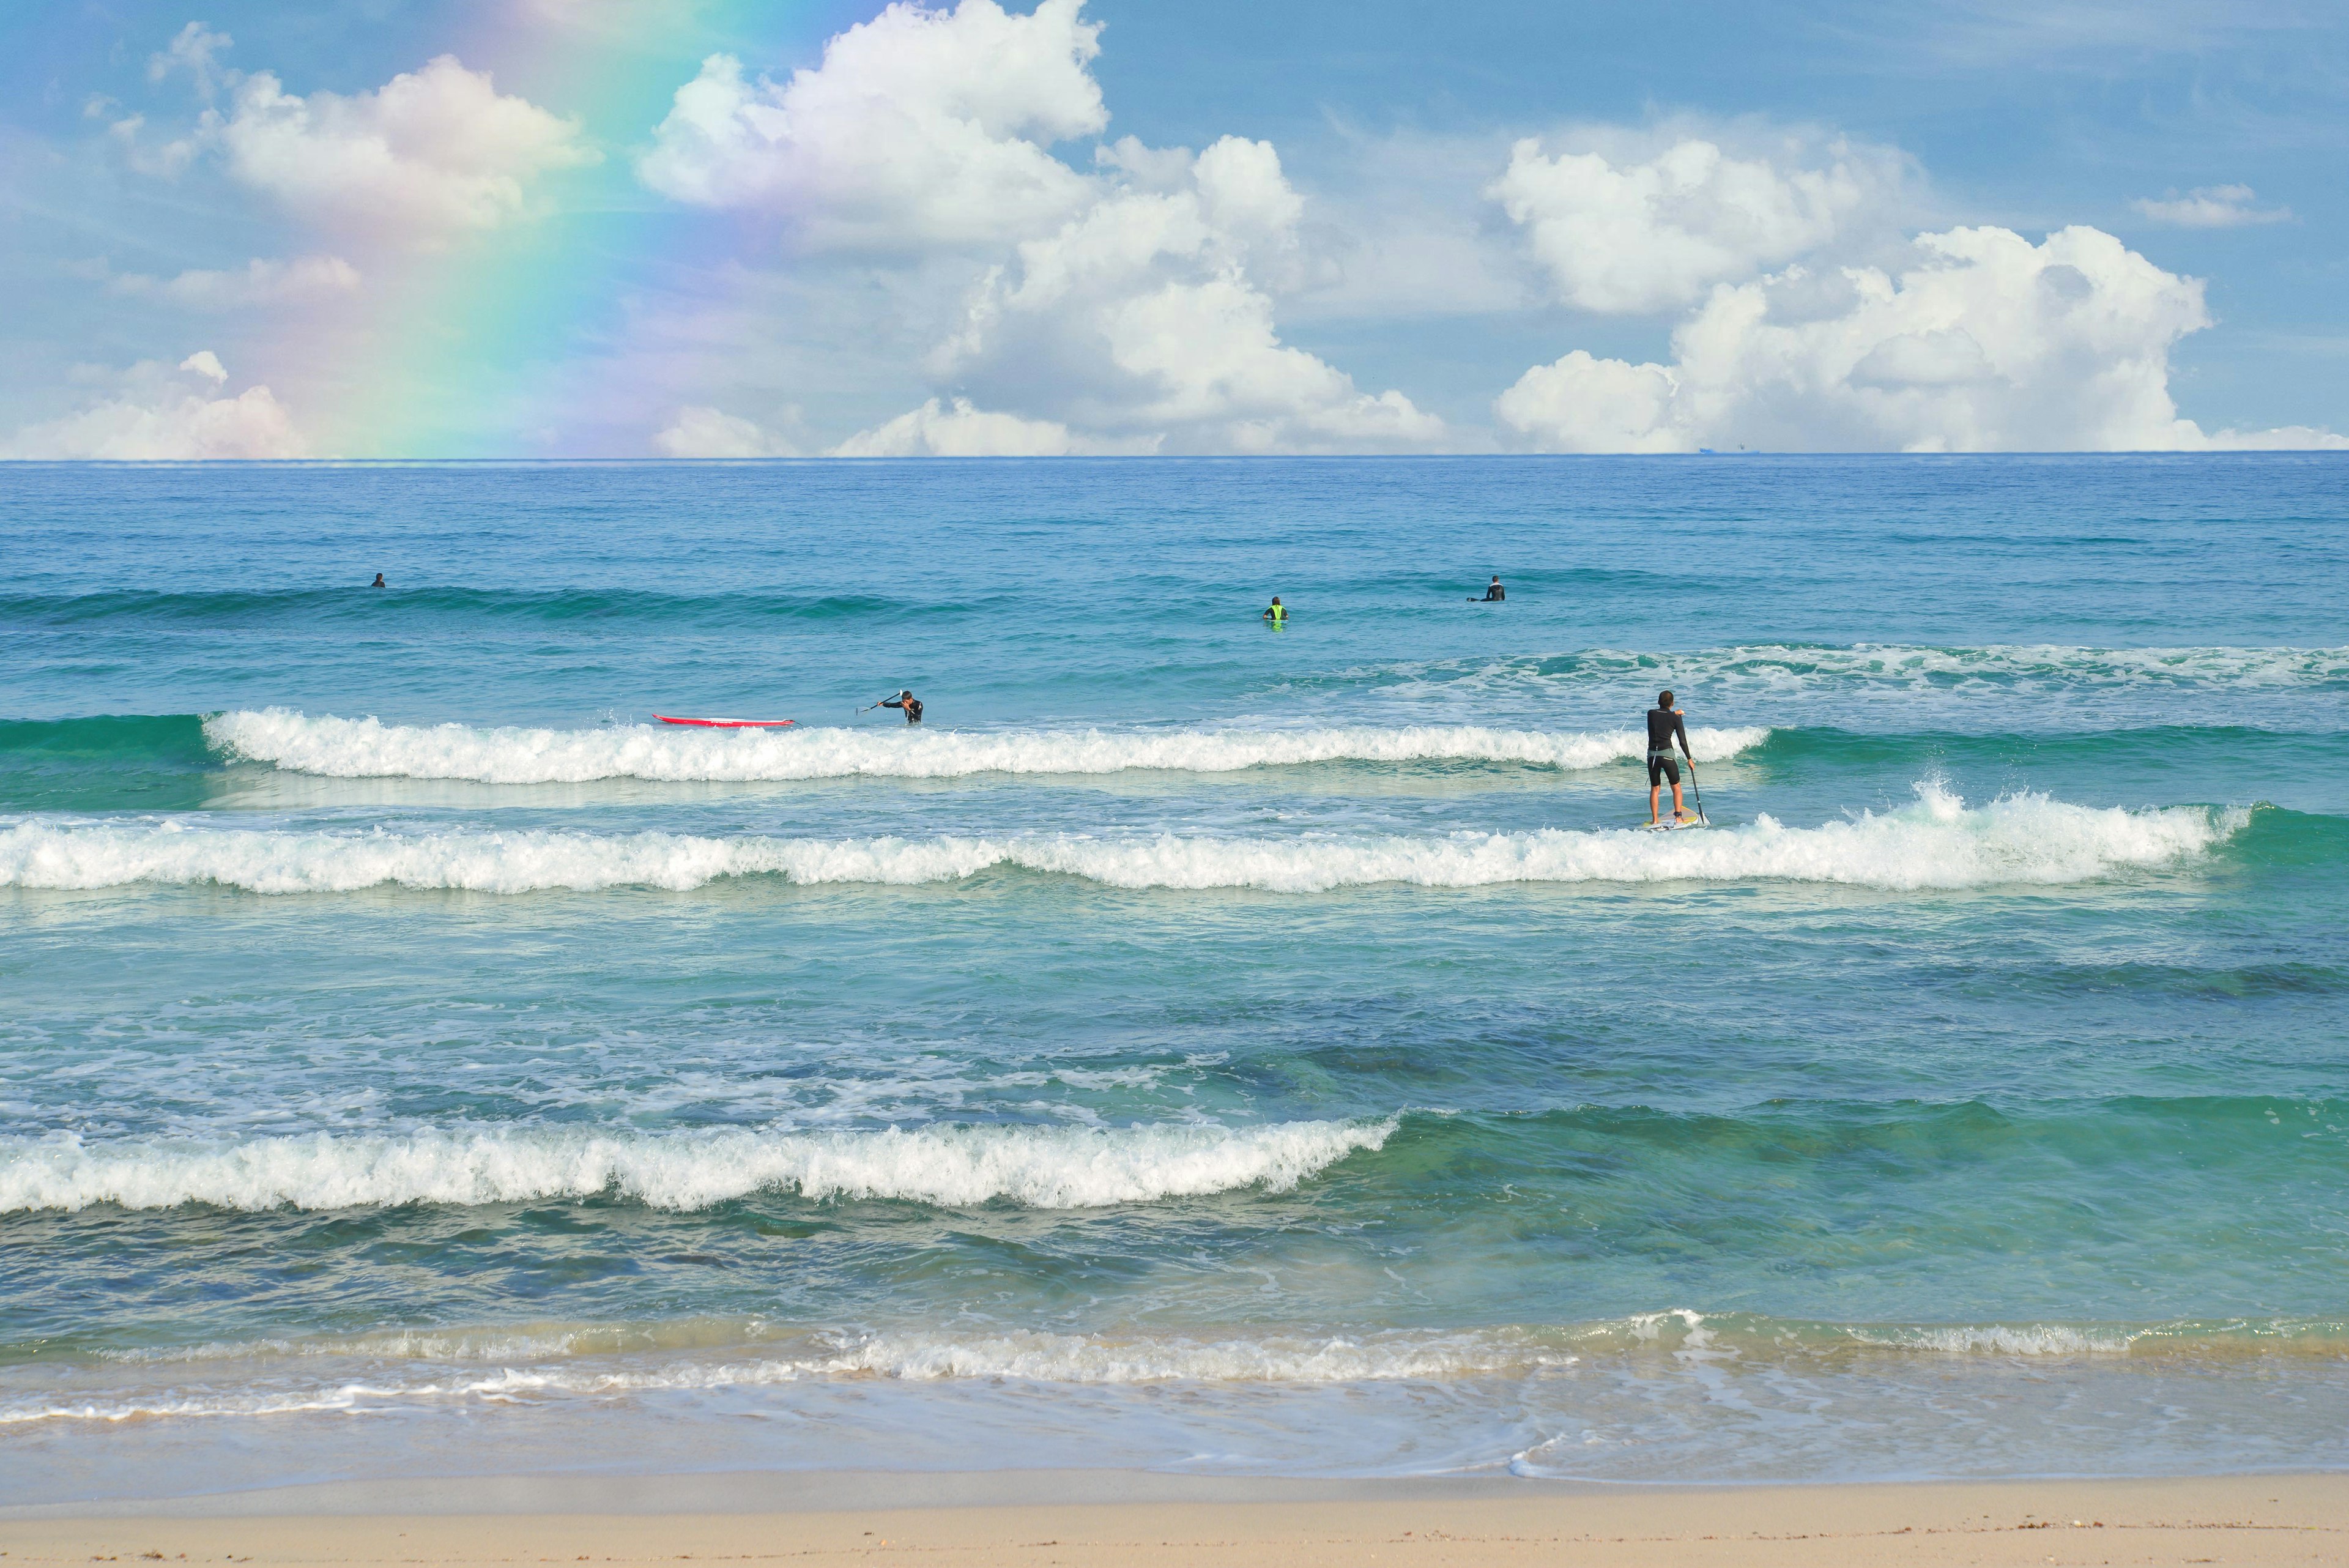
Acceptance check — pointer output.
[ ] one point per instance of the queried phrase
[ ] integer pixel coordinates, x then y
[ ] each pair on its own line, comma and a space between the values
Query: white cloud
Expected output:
155, 414
936, 430
429, 152
258, 282
2211, 207
1625, 235
191, 51
1986, 342
699, 431
166, 160
1126, 307
1144, 316
920, 129
1401, 228
2283, 437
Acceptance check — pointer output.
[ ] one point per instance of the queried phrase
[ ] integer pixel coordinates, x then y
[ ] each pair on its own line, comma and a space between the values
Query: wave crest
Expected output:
950, 1166
1937, 843
368, 748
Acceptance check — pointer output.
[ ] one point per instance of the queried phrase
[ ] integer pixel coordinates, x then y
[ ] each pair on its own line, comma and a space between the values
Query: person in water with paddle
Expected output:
913, 706
1666, 724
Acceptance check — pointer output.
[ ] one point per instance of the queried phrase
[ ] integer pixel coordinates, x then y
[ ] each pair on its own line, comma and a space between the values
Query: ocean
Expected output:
1198, 1047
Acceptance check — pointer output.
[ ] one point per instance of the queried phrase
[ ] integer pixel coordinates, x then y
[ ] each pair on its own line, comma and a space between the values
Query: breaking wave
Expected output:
1940, 842
368, 748
952, 1166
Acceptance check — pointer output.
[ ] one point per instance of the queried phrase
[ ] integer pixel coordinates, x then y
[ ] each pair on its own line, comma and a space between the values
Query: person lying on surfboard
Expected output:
913, 707
1666, 724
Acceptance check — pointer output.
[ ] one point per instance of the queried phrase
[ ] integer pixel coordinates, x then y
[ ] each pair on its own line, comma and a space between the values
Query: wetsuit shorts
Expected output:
1662, 765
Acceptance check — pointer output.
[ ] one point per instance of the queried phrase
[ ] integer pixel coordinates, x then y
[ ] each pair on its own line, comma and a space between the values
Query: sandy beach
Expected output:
2297, 1519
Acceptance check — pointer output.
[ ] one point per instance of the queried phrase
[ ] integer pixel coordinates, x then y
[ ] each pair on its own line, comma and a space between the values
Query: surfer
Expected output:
1666, 724
913, 706
1495, 594
1275, 613
379, 581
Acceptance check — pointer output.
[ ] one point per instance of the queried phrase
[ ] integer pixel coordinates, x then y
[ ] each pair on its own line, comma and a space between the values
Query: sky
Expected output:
721, 229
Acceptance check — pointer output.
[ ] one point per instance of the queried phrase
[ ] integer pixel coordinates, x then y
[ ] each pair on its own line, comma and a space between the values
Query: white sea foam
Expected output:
1279, 1359
1937, 843
1791, 670
2003, 1339
1039, 1167
510, 1365
2031, 664
367, 748
1684, 1332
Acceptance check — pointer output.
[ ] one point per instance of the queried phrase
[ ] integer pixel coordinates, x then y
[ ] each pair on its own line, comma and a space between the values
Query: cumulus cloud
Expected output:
706, 432
258, 282
1623, 235
1144, 316
160, 414
920, 128
430, 153
2283, 437
2211, 207
938, 430
1984, 342
1127, 306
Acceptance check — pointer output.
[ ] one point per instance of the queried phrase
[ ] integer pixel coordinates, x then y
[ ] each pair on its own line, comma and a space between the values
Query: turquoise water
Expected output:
1198, 1046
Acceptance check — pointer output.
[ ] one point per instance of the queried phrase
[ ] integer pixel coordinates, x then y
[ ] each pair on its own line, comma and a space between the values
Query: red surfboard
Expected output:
728, 724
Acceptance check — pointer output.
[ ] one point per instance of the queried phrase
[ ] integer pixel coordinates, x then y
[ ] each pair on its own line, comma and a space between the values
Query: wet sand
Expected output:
2257, 1520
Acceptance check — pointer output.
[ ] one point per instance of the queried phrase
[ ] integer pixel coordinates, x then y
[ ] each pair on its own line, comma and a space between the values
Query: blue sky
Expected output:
619, 227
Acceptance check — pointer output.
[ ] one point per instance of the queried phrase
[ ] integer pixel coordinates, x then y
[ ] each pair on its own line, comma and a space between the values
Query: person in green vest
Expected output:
1276, 613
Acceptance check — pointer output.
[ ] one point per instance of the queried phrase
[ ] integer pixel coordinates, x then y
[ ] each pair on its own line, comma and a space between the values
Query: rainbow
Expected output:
492, 347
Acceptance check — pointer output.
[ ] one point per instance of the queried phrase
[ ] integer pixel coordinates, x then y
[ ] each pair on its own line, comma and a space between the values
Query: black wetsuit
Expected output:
912, 705
1496, 593
1664, 726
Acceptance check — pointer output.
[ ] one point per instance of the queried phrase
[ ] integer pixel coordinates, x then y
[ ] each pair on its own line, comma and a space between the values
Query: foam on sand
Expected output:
367, 748
955, 1167
1937, 843
510, 1366
361, 1382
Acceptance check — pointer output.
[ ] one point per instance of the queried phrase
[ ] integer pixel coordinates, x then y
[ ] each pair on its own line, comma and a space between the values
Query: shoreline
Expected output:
1047, 1517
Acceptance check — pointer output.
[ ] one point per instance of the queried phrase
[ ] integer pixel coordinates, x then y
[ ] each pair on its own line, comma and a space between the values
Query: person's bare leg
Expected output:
1655, 794
1679, 811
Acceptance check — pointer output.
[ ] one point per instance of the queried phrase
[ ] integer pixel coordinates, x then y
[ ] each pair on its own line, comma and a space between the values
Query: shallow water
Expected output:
1198, 1045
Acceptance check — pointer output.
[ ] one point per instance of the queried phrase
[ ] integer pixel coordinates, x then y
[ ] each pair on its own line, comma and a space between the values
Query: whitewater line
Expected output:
955, 1167
368, 748
1937, 843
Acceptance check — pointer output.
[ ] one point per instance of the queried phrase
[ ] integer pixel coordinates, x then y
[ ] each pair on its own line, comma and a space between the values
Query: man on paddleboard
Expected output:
913, 707
1666, 724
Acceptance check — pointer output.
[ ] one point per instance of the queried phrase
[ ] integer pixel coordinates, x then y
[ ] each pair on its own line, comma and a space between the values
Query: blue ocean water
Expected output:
1198, 1045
